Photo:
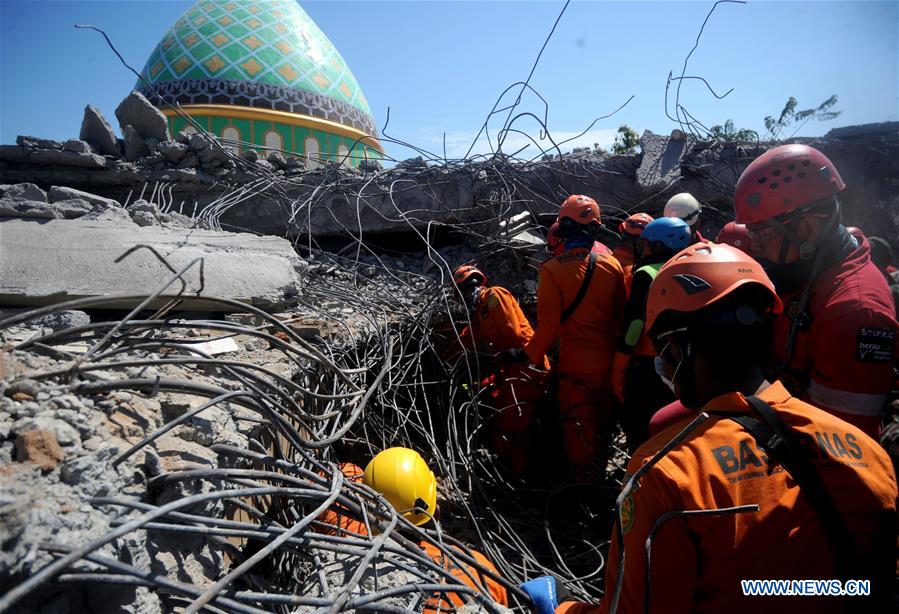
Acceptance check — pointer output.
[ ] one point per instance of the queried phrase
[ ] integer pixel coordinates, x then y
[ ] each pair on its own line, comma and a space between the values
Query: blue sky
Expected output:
440, 66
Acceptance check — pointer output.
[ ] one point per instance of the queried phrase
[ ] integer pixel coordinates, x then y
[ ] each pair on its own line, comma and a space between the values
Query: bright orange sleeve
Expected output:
673, 552
505, 315
549, 314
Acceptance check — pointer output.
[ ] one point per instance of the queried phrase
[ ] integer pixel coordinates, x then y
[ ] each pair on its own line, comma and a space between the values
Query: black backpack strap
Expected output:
582, 291
779, 441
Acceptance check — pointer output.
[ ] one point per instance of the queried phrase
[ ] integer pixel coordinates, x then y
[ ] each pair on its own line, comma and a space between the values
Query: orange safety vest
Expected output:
698, 562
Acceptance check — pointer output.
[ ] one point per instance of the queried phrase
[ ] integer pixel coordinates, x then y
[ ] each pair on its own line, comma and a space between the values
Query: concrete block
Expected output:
46, 263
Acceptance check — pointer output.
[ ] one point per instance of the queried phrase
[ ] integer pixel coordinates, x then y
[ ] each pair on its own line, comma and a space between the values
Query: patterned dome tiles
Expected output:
260, 53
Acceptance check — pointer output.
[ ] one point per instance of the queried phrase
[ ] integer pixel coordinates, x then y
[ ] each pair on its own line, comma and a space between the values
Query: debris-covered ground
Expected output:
178, 387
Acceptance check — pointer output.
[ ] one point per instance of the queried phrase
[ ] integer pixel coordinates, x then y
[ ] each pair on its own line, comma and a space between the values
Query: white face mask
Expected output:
660, 371
658, 364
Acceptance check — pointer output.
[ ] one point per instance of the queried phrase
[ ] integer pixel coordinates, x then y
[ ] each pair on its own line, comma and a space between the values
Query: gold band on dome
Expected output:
283, 117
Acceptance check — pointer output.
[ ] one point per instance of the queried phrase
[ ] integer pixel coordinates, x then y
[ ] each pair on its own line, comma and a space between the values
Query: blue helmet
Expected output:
672, 232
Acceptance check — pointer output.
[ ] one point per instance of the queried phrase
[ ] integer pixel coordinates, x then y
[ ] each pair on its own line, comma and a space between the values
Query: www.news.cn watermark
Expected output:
806, 588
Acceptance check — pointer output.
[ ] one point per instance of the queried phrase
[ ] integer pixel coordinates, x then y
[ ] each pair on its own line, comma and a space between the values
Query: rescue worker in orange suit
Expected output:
633, 374
498, 325
834, 344
735, 235
627, 252
407, 483
686, 207
708, 314
580, 299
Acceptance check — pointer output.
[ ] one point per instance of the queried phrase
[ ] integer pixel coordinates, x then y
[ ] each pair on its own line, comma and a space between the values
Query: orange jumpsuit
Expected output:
336, 516
586, 349
448, 602
445, 602
698, 562
497, 324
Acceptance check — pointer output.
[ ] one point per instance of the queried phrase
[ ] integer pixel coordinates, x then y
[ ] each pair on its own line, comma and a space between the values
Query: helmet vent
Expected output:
763, 179
754, 199
788, 179
805, 163
776, 172
773, 186
801, 174
791, 167
691, 283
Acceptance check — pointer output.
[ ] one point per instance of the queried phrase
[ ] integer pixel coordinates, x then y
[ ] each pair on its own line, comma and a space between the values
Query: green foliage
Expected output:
729, 134
789, 117
626, 142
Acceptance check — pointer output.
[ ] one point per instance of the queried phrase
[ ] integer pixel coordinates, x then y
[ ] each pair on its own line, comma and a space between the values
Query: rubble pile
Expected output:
272, 192
176, 398
211, 439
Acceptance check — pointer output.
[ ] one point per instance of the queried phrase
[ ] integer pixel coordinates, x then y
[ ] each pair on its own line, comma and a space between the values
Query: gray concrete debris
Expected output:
276, 158
250, 155
109, 214
147, 120
76, 146
97, 131
13, 153
199, 142
24, 191
67, 158
173, 152
864, 130
33, 142
183, 137
35, 210
58, 193
135, 146
60, 260
660, 164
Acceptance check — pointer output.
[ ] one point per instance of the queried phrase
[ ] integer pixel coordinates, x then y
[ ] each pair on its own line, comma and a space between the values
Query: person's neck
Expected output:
748, 382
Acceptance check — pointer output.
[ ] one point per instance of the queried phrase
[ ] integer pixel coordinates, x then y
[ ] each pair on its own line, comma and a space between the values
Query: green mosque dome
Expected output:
261, 72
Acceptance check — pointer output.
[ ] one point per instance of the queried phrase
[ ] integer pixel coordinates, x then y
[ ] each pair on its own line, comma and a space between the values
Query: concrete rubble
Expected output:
338, 201
60, 260
226, 422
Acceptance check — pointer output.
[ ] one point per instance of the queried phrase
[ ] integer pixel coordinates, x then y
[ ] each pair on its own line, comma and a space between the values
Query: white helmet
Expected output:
684, 206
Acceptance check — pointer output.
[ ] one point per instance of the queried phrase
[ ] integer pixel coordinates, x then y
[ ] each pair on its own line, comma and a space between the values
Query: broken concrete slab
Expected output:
135, 147
67, 158
97, 131
24, 191
35, 210
46, 263
660, 165
58, 193
147, 120
109, 214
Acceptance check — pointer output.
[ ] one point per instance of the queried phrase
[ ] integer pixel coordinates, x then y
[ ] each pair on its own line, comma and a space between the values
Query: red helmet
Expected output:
701, 274
465, 272
784, 179
553, 241
581, 209
735, 235
634, 224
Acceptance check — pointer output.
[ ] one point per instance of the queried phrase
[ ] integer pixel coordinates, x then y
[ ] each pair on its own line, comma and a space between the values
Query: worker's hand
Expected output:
546, 592
513, 355
619, 374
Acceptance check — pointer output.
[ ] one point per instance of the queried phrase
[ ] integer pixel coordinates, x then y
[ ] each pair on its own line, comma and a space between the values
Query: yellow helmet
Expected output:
403, 477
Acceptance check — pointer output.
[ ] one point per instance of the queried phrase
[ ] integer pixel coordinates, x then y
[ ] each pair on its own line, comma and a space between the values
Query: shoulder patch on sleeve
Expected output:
875, 344
493, 301
627, 514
